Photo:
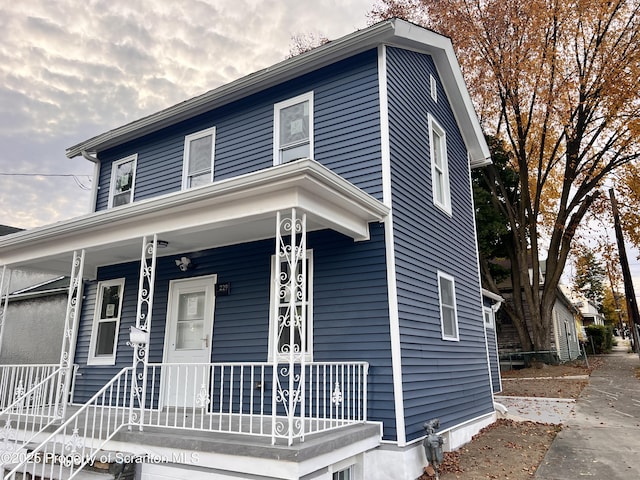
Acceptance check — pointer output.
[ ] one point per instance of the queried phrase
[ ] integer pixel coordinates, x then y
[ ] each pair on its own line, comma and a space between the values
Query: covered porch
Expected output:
284, 399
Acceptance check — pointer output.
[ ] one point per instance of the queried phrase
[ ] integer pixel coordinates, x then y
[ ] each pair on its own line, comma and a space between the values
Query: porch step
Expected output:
107, 466
60, 473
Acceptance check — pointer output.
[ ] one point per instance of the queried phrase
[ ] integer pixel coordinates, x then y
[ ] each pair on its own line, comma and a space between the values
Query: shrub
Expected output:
600, 338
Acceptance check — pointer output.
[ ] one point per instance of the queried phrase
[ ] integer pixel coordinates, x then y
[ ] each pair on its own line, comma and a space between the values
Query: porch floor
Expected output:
254, 442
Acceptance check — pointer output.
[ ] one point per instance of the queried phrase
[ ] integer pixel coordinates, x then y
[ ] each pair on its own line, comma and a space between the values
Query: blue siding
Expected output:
441, 379
347, 133
351, 319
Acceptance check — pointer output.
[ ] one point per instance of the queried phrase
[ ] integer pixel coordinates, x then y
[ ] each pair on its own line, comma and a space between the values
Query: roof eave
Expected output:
392, 32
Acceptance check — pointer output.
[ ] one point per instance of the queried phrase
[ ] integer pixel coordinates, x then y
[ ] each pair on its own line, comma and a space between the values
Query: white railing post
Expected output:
143, 323
67, 352
290, 295
5, 280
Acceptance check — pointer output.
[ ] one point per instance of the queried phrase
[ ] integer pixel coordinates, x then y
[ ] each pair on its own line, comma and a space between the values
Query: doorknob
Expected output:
206, 341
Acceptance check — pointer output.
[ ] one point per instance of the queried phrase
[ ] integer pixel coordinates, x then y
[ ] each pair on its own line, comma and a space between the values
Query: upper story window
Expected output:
293, 129
199, 150
123, 179
448, 312
439, 166
106, 322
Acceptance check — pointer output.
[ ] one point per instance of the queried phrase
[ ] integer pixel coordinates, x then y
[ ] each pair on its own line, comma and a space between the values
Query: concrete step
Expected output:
59, 473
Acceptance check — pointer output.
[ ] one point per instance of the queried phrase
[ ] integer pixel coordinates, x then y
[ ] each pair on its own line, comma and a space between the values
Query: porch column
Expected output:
5, 279
290, 345
67, 352
143, 329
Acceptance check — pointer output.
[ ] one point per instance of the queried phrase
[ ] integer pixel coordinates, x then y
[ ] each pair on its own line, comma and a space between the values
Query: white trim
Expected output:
305, 97
445, 202
394, 316
95, 186
105, 359
456, 337
309, 327
112, 183
187, 148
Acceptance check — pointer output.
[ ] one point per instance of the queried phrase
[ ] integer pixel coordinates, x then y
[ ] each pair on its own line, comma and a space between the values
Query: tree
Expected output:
628, 185
303, 42
589, 277
557, 81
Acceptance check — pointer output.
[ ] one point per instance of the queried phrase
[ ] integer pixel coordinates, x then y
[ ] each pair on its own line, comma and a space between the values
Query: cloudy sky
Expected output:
72, 69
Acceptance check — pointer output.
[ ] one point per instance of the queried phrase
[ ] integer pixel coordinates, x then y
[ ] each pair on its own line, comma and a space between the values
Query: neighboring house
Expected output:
280, 277
589, 313
35, 302
563, 334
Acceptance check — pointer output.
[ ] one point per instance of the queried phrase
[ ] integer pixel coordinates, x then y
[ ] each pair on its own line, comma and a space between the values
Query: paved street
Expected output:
601, 437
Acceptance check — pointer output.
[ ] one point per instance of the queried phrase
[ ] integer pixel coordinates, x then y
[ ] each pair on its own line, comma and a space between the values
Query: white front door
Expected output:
188, 340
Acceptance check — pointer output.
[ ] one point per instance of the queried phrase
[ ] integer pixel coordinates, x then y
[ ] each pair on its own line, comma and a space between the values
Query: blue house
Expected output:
279, 279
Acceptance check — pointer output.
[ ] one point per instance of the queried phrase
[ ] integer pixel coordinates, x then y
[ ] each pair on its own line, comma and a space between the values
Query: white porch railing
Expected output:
15, 380
76, 442
221, 397
237, 397
34, 408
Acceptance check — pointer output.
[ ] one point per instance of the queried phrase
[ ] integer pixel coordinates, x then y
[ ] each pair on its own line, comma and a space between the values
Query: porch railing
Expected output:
34, 409
76, 442
237, 397
15, 380
221, 397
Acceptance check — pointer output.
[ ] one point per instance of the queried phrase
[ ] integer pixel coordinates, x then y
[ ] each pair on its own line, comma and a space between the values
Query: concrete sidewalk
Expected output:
601, 437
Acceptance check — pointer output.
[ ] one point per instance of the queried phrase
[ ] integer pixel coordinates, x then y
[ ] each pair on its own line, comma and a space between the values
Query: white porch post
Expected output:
290, 296
67, 352
143, 323
5, 280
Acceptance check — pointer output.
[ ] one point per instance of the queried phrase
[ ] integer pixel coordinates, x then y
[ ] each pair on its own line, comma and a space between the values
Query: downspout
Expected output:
96, 174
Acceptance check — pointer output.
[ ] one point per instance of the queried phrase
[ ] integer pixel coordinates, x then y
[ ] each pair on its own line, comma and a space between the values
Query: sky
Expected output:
73, 69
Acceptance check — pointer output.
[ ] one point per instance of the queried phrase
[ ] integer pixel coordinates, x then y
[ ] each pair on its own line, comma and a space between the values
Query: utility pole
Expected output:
632, 306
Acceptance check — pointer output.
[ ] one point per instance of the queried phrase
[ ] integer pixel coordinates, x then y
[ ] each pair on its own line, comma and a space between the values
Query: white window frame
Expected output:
187, 147
488, 316
105, 359
439, 171
272, 321
114, 178
449, 278
433, 87
277, 151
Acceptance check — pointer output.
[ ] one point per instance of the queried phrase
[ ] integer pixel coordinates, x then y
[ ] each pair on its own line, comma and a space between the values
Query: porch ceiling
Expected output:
227, 212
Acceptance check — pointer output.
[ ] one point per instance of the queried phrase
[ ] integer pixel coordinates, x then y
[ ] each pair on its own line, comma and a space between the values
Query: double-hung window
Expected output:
106, 322
123, 177
289, 322
439, 166
448, 312
293, 129
198, 159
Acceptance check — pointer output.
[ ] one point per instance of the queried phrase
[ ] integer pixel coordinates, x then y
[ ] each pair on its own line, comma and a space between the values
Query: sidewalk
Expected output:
601, 437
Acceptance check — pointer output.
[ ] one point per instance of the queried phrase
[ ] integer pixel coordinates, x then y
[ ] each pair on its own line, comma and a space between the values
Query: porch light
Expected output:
184, 264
